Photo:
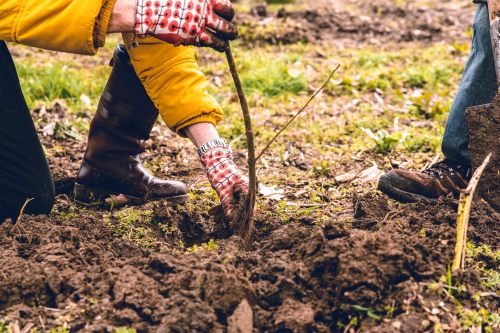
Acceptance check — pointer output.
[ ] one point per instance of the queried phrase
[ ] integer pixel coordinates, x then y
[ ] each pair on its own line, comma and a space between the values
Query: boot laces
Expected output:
439, 167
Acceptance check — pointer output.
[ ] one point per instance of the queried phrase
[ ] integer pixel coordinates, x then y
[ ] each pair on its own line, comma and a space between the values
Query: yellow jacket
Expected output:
170, 74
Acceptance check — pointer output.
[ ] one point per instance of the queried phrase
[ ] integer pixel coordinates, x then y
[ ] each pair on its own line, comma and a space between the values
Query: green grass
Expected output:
273, 80
133, 224
125, 330
477, 256
42, 84
414, 83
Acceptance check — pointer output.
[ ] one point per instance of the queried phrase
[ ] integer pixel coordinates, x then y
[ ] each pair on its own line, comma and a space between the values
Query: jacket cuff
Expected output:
212, 117
102, 23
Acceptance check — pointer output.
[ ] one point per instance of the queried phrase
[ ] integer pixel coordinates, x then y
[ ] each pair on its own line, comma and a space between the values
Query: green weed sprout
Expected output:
209, 246
4, 328
385, 142
125, 330
369, 312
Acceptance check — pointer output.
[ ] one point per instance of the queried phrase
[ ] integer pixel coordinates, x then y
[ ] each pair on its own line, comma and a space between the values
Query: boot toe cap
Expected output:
167, 188
404, 187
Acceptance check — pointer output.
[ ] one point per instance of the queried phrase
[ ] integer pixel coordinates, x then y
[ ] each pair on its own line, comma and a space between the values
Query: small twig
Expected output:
489, 294
54, 309
434, 161
464, 207
14, 327
27, 328
83, 203
389, 216
308, 205
346, 330
243, 221
194, 183
41, 322
300, 111
20, 214
437, 284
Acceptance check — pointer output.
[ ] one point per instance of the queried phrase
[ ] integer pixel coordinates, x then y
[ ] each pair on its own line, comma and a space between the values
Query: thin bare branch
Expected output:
300, 111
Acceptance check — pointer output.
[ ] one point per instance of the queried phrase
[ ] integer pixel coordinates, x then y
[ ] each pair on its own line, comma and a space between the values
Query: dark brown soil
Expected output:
296, 279
376, 213
377, 22
484, 132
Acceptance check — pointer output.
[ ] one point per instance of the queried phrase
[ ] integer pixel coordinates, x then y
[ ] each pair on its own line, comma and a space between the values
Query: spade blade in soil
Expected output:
483, 122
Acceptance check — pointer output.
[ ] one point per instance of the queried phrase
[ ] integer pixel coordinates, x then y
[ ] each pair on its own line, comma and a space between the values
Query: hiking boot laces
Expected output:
440, 166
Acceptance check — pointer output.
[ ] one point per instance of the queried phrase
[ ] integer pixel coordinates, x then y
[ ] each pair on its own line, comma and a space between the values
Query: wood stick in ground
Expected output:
464, 207
242, 223
300, 111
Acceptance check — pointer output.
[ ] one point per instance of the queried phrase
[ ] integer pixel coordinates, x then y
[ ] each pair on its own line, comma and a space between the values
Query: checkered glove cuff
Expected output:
225, 178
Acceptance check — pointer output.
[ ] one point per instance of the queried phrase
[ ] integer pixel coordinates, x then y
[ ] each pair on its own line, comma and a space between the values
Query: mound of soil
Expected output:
79, 274
377, 23
373, 213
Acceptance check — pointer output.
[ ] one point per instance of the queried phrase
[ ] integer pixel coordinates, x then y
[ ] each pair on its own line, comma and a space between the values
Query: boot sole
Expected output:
384, 185
98, 196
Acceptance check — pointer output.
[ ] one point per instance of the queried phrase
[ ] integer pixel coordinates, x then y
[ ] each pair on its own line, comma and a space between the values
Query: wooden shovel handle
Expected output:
494, 14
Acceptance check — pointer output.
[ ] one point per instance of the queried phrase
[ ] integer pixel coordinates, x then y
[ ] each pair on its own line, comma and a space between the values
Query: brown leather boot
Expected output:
118, 131
438, 180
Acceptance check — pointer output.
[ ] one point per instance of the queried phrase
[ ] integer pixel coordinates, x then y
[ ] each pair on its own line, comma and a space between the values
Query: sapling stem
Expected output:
243, 221
464, 206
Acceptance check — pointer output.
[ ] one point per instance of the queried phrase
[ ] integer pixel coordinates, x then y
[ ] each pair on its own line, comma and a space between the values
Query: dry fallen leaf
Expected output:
271, 192
346, 177
117, 200
217, 81
49, 130
373, 173
86, 101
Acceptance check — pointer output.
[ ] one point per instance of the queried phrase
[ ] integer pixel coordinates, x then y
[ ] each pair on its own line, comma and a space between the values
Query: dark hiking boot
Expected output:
438, 180
117, 136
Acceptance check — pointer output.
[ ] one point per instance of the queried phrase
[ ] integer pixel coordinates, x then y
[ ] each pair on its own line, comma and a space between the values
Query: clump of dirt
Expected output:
377, 23
484, 221
370, 205
483, 123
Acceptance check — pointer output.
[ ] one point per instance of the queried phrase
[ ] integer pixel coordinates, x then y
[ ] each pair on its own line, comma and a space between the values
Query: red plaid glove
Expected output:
227, 180
187, 22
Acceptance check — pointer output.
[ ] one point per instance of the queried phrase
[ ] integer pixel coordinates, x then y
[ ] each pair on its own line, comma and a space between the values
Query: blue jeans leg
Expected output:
478, 86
